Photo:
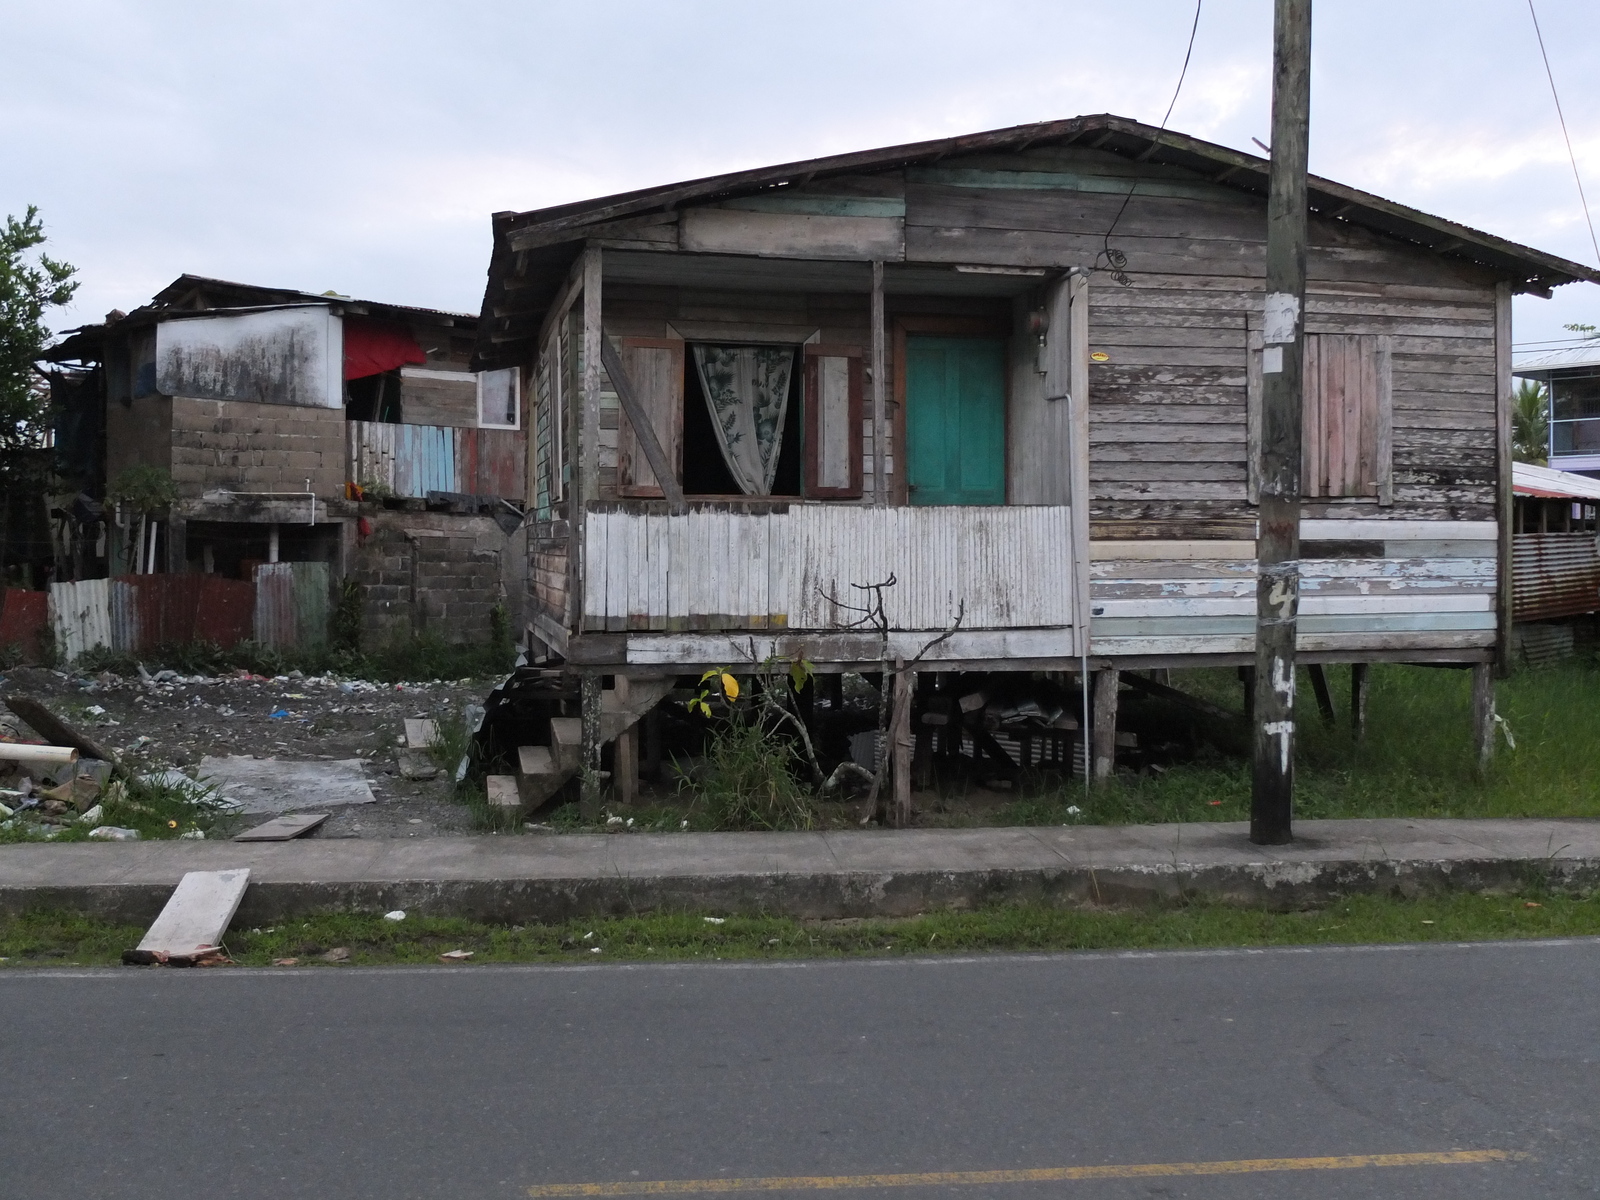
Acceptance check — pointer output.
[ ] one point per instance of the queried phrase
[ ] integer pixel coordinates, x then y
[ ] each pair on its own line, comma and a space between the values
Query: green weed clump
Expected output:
747, 783
155, 808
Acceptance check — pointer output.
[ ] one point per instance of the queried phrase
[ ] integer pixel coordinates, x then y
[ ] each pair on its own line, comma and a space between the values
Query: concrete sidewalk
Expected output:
844, 874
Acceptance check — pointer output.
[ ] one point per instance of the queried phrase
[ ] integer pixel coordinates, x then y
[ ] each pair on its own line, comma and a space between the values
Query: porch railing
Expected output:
802, 567
413, 460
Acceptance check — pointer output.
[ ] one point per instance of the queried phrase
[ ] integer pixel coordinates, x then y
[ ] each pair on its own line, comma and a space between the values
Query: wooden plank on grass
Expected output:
283, 829
191, 925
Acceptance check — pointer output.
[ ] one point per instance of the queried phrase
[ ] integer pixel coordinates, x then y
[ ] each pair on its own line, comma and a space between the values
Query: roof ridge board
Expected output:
581, 214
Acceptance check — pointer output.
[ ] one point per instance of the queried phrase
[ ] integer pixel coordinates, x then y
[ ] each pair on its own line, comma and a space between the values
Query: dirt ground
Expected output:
175, 721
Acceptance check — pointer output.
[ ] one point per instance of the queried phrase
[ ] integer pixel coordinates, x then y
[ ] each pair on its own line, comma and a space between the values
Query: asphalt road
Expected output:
484, 1082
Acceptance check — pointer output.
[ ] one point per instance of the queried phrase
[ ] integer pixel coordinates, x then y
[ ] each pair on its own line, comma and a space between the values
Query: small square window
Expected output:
498, 397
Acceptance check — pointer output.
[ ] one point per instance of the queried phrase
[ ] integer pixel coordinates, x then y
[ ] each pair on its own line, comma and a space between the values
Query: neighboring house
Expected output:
275, 412
1557, 561
1019, 371
1572, 377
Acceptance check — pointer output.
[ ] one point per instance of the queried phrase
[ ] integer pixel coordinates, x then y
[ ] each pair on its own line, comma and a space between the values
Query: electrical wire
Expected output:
1116, 260
1560, 116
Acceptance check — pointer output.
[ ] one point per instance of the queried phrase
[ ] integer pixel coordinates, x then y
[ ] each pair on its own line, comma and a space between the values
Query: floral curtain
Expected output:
747, 390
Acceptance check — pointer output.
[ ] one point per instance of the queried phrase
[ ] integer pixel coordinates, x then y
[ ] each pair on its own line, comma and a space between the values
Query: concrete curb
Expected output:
813, 875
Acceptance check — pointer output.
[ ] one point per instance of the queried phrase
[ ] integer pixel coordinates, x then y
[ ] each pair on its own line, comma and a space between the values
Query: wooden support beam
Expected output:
643, 428
652, 744
1504, 501
1104, 744
625, 752
589, 710
900, 745
1483, 713
1319, 685
1358, 701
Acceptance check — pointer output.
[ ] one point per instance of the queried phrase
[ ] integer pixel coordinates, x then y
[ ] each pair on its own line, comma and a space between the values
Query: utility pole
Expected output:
1278, 539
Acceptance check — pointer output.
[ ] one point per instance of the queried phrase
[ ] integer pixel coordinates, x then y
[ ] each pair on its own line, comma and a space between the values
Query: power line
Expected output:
1550, 75
1116, 260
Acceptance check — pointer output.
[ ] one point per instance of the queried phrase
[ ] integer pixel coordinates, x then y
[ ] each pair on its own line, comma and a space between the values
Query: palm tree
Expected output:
1530, 422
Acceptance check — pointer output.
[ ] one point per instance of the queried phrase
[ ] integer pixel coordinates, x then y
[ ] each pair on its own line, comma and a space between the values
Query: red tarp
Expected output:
373, 347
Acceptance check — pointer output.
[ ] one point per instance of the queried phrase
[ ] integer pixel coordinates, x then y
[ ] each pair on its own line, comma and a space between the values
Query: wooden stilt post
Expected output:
1278, 536
880, 411
1319, 685
1358, 701
900, 743
589, 711
625, 755
1247, 678
1483, 713
652, 744
1104, 746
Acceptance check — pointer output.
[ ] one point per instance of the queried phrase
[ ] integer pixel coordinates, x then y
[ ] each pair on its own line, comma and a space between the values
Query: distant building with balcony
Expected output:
1572, 376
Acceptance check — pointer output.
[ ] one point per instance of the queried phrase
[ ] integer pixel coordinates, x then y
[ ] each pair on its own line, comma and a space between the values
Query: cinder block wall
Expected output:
256, 447
439, 573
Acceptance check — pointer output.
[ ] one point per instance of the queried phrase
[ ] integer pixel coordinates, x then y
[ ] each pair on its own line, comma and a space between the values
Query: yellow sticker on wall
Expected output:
1099, 356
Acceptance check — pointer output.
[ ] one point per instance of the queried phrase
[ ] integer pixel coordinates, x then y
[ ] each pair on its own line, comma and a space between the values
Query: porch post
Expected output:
625, 752
586, 486
880, 416
1358, 700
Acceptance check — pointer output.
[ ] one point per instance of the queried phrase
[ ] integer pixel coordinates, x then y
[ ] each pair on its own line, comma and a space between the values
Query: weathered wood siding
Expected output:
1396, 585
795, 567
413, 460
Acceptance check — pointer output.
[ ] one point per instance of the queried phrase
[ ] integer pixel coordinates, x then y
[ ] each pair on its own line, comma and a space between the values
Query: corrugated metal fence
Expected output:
1554, 575
413, 460
133, 613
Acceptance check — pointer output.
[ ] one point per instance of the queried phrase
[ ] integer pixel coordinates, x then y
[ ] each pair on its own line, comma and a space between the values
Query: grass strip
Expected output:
43, 939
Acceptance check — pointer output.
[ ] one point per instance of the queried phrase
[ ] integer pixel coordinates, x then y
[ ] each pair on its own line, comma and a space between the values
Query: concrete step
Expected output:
503, 793
538, 776
566, 743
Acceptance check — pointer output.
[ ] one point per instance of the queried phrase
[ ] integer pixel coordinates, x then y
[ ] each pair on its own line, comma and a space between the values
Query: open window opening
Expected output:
373, 398
706, 451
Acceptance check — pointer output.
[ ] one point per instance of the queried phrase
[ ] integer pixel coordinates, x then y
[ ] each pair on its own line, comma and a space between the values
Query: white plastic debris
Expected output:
594, 950
95, 816
1073, 810
589, 936
114, 833
192, 835
716, 920
398, 914
95, 710
613, 822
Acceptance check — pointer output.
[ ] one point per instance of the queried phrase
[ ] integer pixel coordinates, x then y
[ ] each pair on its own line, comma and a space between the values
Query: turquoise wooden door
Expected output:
956, 420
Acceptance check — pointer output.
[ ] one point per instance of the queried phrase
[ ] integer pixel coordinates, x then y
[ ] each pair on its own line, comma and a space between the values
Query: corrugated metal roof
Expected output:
1584, 355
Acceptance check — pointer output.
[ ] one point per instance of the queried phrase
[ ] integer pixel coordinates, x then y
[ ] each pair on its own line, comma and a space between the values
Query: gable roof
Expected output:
534, 249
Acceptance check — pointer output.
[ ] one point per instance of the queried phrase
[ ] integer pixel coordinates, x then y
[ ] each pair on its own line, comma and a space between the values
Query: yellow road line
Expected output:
1243, 1166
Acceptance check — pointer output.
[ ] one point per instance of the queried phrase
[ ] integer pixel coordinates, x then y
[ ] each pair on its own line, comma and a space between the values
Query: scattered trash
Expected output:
455, 955
1214, 803
277, 714
461, 769
773, 941
1427, 922
190, 926
337, 954
95, 710
683, 824
421, 733
398, 914
286, 962
588, 937
192, 835
95, 816
613, 822
114, 833
1073, 810
417, 765
716, 920
1531, 904
596, 950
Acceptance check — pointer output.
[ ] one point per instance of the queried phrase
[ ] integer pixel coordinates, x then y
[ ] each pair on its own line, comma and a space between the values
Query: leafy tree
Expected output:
1530, 422
1588, 331
30, 284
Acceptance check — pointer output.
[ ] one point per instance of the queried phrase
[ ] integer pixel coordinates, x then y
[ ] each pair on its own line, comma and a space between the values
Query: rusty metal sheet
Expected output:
225, 614
23, 616
274, 619
501, 463
1554, 575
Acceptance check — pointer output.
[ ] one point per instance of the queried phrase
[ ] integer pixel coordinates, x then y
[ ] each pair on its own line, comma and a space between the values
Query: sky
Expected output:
361, 147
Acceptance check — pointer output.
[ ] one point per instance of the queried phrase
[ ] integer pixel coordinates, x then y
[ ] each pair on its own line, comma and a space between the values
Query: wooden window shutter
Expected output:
1346, 418
833, 415
1346, 433
655, 367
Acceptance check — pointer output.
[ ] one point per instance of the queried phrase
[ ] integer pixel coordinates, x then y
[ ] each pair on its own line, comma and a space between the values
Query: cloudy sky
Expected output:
362, 146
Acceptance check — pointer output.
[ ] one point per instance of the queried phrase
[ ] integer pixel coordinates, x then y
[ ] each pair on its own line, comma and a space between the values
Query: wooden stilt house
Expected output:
1017, 371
